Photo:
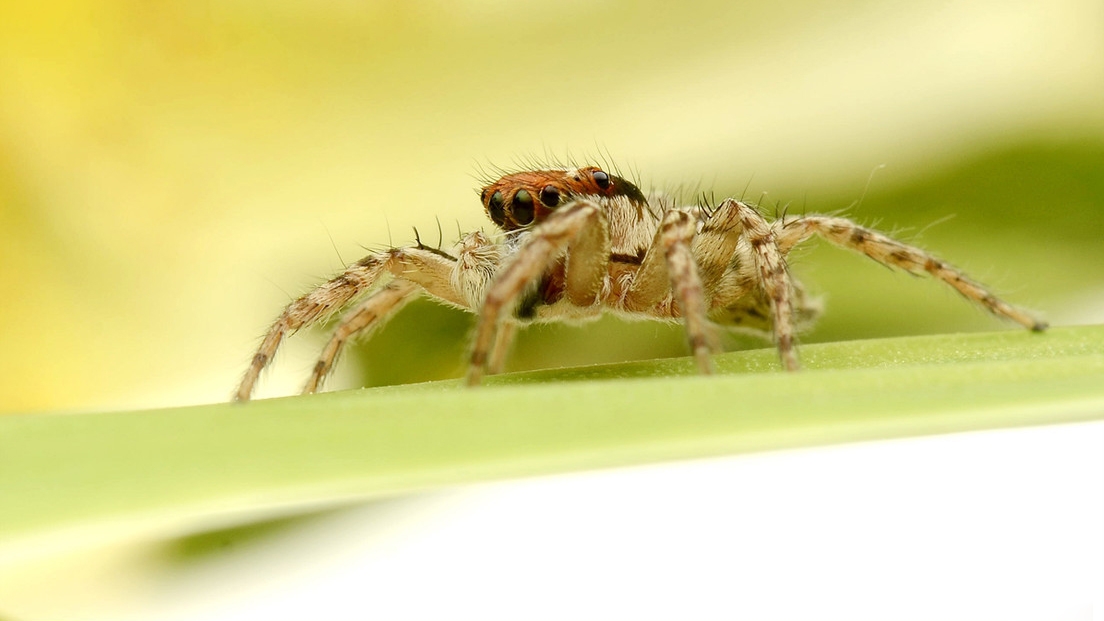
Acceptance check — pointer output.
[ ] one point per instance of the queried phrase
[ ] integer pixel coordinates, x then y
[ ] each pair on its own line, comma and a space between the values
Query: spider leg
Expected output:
740, 303
580, 229
366, 316
669, 267
890, 252
476, 257
733, 225
676, 232
737, 298
430, 269
501, 348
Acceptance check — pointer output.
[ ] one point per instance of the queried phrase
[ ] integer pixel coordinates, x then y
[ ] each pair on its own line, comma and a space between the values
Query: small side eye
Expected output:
495, 208
602, 179
550, 196
523, 207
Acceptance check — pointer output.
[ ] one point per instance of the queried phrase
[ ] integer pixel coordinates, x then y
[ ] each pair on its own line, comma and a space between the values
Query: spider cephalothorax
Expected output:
577, 242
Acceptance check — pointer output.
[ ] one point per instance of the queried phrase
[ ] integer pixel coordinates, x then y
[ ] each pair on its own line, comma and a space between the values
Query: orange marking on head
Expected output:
523, 198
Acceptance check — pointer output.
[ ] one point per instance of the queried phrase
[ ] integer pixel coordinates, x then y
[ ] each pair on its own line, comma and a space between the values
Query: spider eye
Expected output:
523, 207
550, 196
602, 179
495, 208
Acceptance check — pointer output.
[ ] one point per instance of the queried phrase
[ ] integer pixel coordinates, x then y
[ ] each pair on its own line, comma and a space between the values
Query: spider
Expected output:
576, 242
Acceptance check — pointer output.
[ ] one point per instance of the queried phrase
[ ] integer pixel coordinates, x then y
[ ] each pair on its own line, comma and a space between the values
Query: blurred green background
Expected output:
171, 174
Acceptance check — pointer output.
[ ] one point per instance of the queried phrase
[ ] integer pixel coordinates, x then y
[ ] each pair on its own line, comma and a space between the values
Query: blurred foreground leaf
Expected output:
71, 479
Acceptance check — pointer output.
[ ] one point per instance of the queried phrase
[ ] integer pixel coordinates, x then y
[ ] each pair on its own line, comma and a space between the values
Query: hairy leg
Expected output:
558, 233
431, 269
739, 302
890, 252
739, 223
503, 338
669, 267
366, 316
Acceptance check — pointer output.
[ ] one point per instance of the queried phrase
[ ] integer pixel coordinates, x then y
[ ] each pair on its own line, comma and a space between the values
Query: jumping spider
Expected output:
576, 242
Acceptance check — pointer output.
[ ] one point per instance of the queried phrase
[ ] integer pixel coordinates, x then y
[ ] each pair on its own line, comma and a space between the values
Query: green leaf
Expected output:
69, 478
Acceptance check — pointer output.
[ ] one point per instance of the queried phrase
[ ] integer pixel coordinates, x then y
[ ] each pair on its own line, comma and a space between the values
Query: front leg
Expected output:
578, 228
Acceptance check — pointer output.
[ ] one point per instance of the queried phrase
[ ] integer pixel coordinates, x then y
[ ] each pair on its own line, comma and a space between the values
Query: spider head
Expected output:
524, 198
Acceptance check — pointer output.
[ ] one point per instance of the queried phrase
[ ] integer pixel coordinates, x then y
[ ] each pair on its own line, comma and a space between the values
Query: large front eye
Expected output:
602, 179
550, 196
523, 207
495, 208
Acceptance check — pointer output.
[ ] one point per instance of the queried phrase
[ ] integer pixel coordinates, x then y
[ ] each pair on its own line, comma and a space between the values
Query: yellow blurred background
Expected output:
172, 173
